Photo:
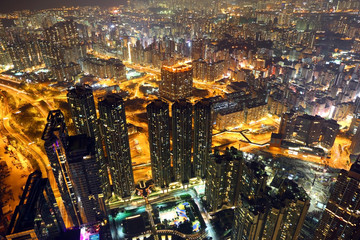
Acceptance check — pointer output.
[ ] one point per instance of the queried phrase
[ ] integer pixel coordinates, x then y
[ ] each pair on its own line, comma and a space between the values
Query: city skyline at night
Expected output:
7, 6
179, 119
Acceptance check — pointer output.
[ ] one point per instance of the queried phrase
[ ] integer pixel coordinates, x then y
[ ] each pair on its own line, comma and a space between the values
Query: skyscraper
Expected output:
277, 215
287, 212
248, 218
5, 58
37, 216
24, 54
355, 143
55, 137
113, 123
253, 180
64, 33
229, 177
202, 137
182, 140
208, 72
222, 178
176, 82
84, 171
198, 47
341, 218
83, 112
159, 140
62, 48
52, 54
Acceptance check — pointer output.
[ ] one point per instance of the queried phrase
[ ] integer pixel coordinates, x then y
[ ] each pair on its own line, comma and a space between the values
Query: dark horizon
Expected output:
10, 6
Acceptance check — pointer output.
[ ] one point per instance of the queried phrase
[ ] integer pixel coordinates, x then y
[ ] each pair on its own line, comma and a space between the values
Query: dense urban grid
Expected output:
179, 119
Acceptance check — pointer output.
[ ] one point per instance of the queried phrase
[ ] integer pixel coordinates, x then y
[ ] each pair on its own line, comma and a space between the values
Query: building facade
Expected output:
64, 33
85, 178
182, 140
202, 137
279, 215
37, 216
176, 82
111, 68
307, 130
159, 140
341, 218
222, 178
83, 113
114, 128
55, 143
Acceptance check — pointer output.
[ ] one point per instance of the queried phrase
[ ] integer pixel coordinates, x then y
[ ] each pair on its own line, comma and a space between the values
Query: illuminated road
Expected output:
339, 154
13, 129
140, 68
25, 96
23, 139
9, 79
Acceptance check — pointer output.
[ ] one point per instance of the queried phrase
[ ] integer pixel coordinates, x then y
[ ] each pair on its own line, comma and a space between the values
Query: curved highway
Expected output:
13, 129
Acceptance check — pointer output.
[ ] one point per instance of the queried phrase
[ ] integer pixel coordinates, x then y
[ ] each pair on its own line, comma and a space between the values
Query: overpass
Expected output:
10, 82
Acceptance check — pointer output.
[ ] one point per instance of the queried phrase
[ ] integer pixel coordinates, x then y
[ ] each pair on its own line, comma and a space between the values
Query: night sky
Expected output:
12, 5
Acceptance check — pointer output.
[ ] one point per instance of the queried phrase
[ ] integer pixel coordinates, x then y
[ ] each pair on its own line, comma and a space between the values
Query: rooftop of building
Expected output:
182, 103
79, 144
310, 117
276, 136
291, 190
224, 112
255, 205
63, 23
257, 168
24, 216
112, 99
158, 103
231, 154
200, 60
55, 121
101, 61
203, 102
79, 89
177, 68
